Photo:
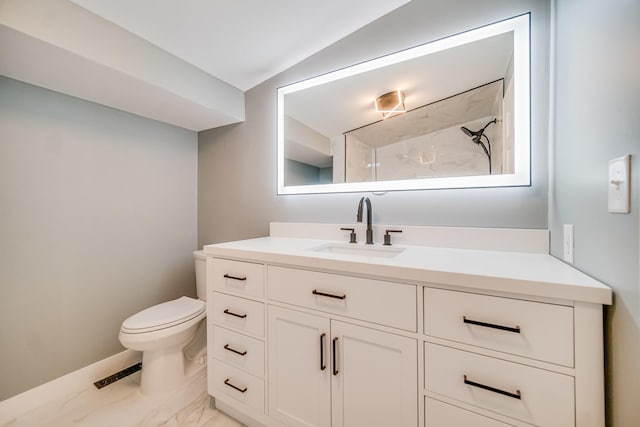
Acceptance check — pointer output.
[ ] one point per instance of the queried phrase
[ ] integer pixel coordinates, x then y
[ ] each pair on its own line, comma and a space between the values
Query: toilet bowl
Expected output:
162, 332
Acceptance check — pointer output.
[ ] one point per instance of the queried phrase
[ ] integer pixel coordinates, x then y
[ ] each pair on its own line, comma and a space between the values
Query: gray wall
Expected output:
597, 118
237, 163
97, 221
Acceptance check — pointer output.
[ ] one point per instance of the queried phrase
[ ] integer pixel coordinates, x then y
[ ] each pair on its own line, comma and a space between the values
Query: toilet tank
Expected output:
201, 274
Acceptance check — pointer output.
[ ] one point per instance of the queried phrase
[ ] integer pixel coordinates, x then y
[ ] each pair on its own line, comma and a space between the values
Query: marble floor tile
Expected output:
121, 404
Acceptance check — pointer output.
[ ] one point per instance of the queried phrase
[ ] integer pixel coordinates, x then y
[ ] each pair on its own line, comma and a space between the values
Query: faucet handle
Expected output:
387, 236
352, 235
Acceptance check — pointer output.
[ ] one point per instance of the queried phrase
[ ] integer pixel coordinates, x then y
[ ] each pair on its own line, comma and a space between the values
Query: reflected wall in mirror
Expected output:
460, 117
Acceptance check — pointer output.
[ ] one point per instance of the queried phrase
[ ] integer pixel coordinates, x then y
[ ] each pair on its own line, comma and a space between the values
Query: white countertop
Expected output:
531, 274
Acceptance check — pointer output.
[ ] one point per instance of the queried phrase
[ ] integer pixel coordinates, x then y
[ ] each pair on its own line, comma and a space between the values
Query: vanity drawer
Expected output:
440, 414
524, 328
237, 277
239, 314
387, 303
237, 384
238, 350
517, 391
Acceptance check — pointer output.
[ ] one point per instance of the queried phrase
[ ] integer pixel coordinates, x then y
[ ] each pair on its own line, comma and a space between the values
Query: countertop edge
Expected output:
418, 276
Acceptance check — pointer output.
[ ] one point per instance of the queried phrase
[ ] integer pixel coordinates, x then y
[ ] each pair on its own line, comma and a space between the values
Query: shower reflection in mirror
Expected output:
426, 142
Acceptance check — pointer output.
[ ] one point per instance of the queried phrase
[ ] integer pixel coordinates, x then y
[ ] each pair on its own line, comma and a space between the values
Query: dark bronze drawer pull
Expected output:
241, 390
241, 353
230, 313
491, 325
515, 395
227, 276
322, 365
335, 356
322, 294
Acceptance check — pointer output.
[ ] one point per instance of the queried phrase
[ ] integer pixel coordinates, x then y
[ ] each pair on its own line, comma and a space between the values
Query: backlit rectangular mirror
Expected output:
453, 113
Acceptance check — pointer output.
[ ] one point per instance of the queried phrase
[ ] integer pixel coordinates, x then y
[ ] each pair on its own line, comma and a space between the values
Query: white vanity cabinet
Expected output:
375, 378
299, 388
235, 332
493, 339
512, 359
325, 372
376, 301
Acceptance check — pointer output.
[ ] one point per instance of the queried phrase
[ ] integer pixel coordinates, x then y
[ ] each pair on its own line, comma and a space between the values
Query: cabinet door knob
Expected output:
228, 276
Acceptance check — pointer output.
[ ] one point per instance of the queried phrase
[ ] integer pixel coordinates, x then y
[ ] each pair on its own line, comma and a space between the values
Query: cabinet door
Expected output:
374, 378
299, 368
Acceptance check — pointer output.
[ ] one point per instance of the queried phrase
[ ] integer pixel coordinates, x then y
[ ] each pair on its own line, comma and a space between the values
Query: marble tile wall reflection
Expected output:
444, 153
427, 142
360, 158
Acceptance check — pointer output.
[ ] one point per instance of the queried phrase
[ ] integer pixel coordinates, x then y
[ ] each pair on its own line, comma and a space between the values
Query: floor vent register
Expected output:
118, 375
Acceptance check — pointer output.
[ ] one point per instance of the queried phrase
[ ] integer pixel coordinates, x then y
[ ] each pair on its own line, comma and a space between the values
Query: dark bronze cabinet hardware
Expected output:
241, 390
515, 395
323, 294
231, 313
228, 276
335, 356
241, 353
322, 365
491, 325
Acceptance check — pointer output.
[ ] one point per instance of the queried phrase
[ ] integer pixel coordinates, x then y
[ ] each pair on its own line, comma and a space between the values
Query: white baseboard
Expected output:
74, 381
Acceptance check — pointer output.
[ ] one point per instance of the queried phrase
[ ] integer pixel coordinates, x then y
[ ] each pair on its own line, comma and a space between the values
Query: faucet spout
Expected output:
359, 218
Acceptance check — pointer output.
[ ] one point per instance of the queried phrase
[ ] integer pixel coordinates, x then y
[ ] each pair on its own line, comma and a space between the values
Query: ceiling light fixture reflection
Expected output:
390, 103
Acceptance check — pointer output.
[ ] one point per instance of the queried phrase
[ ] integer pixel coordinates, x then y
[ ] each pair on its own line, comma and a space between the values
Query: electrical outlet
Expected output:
568, 243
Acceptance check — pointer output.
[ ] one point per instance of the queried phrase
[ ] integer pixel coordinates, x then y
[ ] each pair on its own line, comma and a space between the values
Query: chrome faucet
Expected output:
359, 218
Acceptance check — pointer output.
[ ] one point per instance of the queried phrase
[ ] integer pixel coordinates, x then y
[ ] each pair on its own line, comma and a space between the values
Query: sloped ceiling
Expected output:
186, 63
241, 42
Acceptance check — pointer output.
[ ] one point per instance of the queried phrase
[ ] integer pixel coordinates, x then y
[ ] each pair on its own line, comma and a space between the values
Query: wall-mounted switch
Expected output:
568, 243
619, 184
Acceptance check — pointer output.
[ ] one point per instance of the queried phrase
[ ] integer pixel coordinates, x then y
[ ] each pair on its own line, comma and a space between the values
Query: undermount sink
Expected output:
349, 249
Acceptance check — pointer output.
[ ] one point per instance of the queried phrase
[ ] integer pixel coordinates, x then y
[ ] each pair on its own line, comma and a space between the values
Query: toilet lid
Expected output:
164, 315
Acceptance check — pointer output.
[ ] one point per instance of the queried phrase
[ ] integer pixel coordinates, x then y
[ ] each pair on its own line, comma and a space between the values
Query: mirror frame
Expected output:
520, 25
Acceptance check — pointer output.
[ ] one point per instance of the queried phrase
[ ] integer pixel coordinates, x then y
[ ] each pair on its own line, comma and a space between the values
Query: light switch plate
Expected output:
568, 243
619, 184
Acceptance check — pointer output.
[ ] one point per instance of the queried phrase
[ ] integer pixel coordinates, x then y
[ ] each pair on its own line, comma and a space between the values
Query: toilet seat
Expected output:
164, 315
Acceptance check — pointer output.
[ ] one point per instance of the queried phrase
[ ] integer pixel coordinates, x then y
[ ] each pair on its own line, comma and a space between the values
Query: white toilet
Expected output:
163, 331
